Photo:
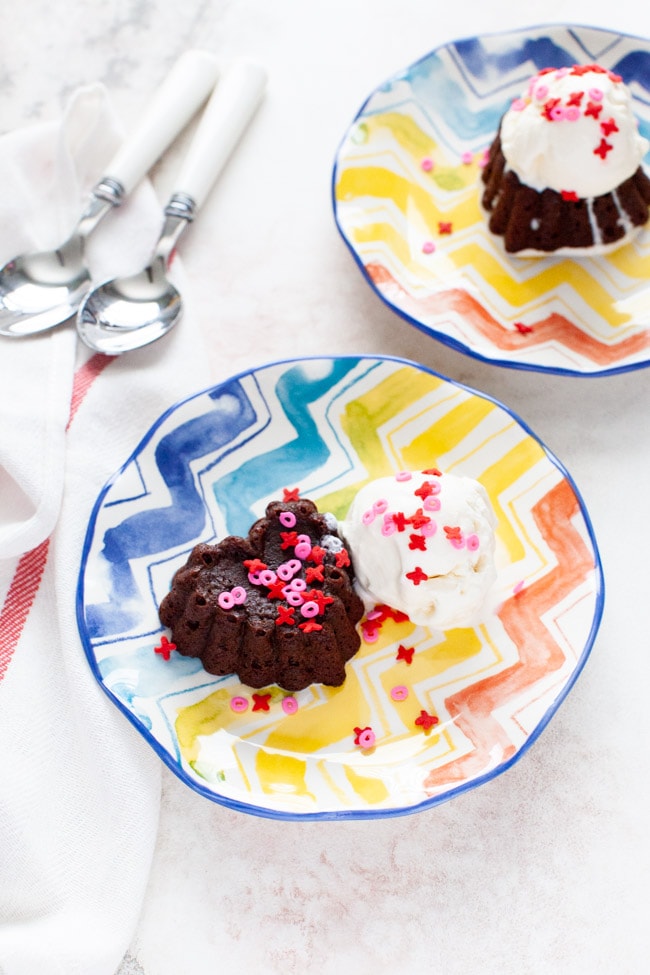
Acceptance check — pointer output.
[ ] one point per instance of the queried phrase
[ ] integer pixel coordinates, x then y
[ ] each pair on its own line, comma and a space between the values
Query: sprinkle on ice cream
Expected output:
573, 131
423, 543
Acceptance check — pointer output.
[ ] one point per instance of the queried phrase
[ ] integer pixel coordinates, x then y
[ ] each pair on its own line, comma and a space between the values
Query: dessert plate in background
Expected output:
208, 468
406, 195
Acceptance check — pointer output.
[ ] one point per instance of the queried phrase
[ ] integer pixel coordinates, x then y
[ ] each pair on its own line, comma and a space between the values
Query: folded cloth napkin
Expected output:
79, 788
44, 172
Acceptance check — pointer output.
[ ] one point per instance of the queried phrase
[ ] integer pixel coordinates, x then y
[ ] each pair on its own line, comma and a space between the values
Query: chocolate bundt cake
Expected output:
564, 171
277, 607
547, 221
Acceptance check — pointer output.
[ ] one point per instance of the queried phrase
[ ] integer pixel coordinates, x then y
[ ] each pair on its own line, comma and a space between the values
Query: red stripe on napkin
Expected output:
31, 565
22, 591
84, 377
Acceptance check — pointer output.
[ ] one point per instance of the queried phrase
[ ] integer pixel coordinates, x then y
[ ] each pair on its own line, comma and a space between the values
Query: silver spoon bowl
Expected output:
41, 290
130, 312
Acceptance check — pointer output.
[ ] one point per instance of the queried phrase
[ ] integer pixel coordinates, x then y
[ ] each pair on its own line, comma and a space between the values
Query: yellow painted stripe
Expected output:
364, 416
557, 273
383, 184
506, 470
416, 204
405, 132
372, 790
282, 774
449, 430
203, 718
633, 265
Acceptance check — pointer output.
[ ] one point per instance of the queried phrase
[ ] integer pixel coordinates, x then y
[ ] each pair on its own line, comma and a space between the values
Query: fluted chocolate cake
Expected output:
277, 607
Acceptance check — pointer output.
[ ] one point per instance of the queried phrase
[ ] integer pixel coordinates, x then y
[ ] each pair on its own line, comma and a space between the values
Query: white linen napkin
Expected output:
79, 788
45, 172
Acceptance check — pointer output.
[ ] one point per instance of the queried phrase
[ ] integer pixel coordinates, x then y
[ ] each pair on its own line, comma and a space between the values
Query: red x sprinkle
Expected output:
575, 98
579, 69
285, 615
417, 543
401, 521
385, 612
276, 590
419, 519
425, 490
314, 573
290, 494
570, 196
342, 558
445, 226
453, 532
433, 471
405, 653
165, 648
289, 540
261, 702
255, 565
319, 597
309, 626
317, 554
603, 148
593, 109
426, 721
607, 128
417, 576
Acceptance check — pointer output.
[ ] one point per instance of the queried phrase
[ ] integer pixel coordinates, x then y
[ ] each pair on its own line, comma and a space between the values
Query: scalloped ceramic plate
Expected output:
208, 468
588, 316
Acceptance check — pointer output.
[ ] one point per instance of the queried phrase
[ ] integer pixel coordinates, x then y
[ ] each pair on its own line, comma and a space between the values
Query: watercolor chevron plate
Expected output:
208, 468
406, 196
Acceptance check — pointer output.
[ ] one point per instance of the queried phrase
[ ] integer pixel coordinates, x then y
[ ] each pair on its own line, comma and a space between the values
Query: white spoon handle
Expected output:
179, 97
230, 109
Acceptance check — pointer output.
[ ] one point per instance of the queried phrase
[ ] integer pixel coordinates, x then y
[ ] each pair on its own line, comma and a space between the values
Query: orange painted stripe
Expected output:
553, 327
539, 654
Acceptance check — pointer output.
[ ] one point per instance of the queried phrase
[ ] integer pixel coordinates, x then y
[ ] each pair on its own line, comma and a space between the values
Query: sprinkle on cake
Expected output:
277, 607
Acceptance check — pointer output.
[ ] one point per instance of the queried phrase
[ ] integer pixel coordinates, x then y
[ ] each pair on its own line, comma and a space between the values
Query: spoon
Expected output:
129, 312
41, 290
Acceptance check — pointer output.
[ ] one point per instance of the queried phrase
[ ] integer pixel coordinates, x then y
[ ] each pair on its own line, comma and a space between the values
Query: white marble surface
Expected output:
545, 869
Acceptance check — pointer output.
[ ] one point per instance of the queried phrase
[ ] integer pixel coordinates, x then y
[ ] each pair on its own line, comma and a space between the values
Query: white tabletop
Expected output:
545, 868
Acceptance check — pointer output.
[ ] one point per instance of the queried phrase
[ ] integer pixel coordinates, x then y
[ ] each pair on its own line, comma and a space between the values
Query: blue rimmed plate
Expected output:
406, 196
208, 468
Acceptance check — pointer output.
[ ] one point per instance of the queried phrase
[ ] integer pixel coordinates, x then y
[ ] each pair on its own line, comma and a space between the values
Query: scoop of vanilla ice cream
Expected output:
573, 131
423, 543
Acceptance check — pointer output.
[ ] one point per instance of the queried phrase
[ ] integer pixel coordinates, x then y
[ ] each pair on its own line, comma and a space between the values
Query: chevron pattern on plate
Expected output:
407, 187
327, 426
